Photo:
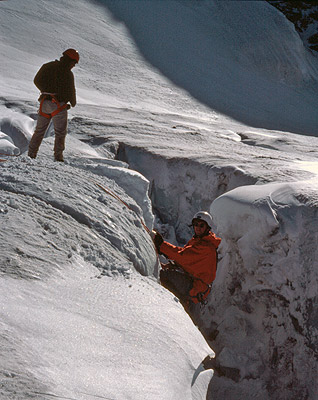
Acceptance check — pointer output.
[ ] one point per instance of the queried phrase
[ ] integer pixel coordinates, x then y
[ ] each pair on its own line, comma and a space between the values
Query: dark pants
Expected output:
178, 282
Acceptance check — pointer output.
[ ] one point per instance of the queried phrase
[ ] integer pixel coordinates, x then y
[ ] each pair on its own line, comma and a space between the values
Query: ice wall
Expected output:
262, 313
180, 187
261, 318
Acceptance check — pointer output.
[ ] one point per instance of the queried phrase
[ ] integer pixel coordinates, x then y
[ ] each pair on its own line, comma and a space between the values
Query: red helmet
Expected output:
72, 54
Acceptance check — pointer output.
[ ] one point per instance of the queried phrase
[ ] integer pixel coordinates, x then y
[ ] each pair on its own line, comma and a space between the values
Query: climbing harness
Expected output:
52, 97
199, 296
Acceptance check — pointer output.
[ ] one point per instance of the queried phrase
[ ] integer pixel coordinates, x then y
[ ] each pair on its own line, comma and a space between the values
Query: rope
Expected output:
115, 196
8, 155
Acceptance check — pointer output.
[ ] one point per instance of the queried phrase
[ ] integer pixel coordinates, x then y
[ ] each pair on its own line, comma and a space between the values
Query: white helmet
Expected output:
205, 216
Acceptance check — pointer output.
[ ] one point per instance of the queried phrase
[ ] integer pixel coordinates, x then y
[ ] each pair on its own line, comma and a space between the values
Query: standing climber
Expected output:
194, 268
55, 80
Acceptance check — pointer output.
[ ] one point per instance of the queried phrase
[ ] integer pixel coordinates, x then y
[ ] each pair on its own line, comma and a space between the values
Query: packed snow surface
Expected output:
182, 106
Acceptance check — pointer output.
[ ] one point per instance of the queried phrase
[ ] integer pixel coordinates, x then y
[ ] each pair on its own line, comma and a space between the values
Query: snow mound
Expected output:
15, 131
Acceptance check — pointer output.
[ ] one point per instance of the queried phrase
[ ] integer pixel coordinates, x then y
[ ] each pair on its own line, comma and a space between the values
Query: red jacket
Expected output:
198, 257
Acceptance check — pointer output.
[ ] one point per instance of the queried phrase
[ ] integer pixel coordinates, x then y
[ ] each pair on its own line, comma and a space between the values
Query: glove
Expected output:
157, 239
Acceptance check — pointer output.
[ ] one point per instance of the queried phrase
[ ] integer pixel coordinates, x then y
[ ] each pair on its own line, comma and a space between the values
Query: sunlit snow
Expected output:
182, 106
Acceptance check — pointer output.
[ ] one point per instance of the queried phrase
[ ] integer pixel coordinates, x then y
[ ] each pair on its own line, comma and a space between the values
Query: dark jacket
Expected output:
56, 77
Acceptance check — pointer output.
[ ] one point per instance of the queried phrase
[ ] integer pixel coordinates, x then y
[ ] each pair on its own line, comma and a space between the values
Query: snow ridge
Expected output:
85, 206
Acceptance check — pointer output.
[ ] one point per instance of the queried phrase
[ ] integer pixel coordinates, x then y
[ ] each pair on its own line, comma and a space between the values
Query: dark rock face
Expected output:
304, 15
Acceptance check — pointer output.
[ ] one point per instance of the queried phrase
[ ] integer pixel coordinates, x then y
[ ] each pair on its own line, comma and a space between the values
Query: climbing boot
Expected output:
59, 146
31, 154
59, 157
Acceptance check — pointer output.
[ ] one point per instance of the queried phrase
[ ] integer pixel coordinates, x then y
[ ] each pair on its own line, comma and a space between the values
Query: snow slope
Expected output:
262, 85
75, 313
82, 314
77, 336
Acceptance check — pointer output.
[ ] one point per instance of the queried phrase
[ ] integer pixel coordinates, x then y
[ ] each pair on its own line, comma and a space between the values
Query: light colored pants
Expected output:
60, 128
